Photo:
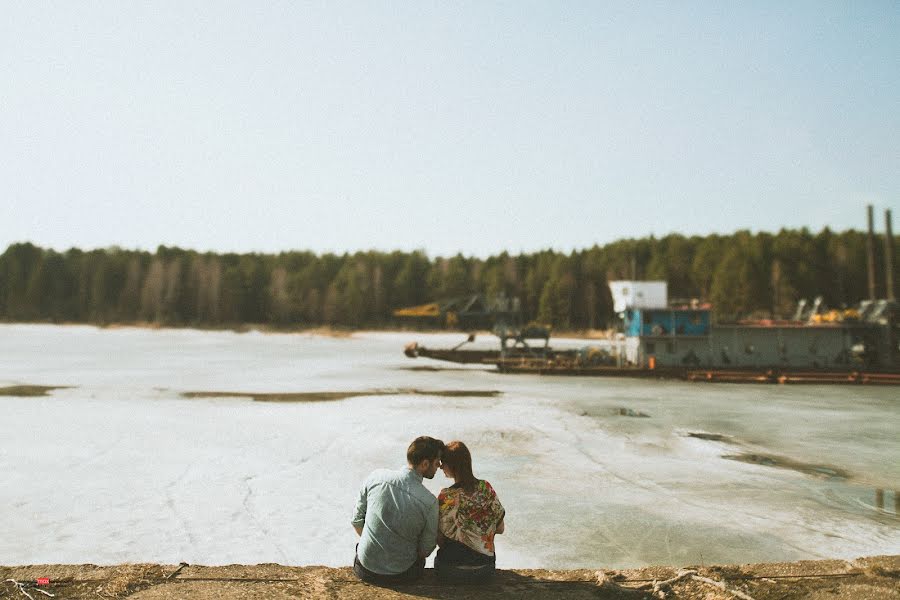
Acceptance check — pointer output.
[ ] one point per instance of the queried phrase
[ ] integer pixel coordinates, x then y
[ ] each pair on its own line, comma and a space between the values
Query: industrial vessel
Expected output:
657, 339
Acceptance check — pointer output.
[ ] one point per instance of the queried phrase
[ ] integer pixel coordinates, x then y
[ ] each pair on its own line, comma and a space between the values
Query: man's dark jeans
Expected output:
411, 574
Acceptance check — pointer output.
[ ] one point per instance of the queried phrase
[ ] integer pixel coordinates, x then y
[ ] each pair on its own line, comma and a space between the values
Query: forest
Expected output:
743, 275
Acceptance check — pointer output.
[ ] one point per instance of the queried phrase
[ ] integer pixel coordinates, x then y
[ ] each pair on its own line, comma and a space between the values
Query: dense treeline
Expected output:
742, 274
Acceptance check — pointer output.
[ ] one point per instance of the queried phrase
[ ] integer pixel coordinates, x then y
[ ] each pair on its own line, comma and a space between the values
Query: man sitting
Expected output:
397, 517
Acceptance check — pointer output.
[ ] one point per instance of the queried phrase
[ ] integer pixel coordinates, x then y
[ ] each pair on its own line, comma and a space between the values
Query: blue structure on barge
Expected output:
686, 337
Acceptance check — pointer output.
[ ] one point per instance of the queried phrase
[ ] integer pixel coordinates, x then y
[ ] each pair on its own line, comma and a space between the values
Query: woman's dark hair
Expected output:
424, 448
457, 457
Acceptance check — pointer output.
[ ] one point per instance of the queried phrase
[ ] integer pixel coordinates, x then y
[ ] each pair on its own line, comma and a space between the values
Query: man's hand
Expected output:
358, 530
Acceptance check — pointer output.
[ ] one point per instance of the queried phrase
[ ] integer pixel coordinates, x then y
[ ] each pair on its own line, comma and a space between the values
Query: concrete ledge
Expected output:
875, 578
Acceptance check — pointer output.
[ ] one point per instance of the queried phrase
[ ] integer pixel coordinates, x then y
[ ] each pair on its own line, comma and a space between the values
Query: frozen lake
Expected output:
121, 467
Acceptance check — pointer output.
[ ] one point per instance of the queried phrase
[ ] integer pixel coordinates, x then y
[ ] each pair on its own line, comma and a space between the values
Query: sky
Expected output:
472, 127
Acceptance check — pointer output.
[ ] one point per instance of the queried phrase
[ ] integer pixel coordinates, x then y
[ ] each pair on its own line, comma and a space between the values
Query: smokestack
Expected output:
888, 256
870, 251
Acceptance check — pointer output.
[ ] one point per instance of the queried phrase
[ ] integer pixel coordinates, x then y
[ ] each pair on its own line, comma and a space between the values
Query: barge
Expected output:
683, 343
657, 339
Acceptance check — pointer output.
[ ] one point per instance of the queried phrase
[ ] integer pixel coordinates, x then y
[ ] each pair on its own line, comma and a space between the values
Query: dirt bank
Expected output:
872, 578
29, 391
330, 396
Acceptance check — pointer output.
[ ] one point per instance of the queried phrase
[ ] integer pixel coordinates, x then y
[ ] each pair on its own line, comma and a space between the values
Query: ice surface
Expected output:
122, 468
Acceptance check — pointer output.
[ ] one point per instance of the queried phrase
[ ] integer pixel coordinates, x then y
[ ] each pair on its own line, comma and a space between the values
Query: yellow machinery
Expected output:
466, 312
423, 310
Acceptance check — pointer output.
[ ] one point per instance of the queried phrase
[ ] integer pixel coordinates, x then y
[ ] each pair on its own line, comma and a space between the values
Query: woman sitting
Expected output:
470, 516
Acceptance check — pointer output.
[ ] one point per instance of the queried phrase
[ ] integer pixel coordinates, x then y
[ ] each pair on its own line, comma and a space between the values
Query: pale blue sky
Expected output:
448, 126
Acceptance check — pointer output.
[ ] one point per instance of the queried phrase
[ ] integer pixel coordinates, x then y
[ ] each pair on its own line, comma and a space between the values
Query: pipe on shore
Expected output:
870, 251
888, 257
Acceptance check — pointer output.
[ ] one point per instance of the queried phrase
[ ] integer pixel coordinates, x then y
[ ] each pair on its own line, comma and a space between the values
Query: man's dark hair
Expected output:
424, 448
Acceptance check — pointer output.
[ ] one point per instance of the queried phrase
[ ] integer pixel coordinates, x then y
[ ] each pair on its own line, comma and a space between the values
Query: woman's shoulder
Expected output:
484, 486
449, 491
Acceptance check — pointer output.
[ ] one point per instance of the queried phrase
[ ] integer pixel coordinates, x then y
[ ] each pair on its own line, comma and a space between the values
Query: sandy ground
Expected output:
872, 578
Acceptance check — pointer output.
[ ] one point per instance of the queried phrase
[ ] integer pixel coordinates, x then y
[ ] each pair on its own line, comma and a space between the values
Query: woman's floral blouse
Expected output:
471, 519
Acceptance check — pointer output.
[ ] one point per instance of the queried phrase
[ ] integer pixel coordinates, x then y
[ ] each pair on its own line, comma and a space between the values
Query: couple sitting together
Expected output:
399, 521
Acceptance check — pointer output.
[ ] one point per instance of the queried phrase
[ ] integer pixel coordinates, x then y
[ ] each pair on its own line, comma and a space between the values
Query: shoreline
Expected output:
874, 577
320, 330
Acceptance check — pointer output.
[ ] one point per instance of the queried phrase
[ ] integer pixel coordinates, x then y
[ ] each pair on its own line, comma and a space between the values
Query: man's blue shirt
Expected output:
399, 518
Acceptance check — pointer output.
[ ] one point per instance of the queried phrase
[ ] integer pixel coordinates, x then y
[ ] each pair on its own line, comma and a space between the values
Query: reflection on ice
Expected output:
880, 504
